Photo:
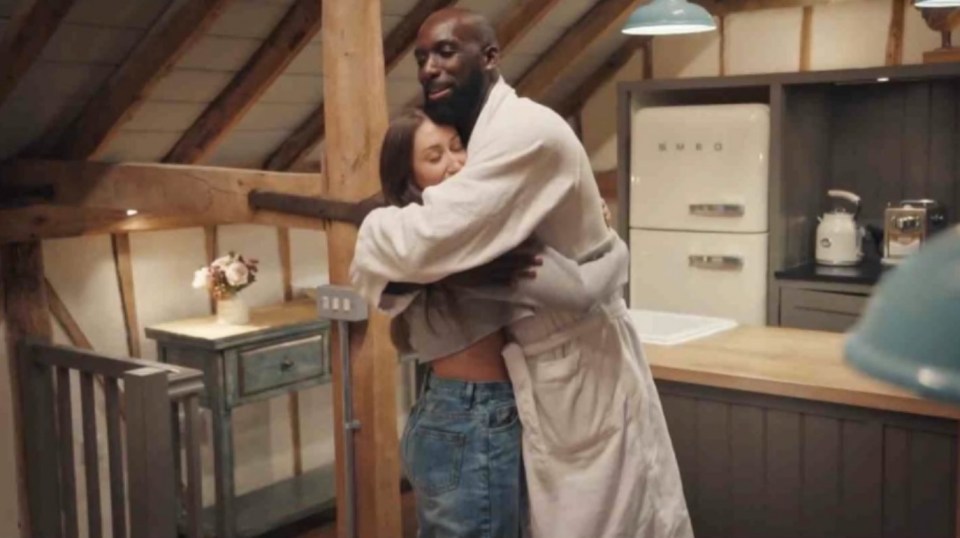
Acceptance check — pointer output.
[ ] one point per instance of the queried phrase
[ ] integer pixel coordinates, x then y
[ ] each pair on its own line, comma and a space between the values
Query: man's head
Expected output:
457, 57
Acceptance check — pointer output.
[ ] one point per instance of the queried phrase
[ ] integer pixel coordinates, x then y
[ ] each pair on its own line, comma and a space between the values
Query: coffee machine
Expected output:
909, 224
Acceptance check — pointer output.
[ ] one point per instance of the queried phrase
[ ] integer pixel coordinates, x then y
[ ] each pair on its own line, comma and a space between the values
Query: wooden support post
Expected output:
293, 400
211, 246
153, 504
25, 310
895, 34
354, 87
648, 60
721, 32
806, 37
124, 266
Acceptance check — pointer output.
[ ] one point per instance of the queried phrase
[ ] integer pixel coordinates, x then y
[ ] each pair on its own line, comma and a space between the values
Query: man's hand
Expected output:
521, 262
364, 207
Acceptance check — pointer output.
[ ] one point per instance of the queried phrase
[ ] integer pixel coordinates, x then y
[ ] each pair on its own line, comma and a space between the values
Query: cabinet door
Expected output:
820, 310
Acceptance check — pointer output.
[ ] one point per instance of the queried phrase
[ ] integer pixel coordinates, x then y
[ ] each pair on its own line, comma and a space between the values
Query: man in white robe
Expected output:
596, 449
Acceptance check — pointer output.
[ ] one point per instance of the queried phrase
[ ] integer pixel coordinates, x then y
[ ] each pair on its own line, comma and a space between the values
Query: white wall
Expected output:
83, 273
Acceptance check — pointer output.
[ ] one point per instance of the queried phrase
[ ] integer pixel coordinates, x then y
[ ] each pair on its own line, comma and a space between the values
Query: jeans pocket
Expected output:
435, 458
503, 417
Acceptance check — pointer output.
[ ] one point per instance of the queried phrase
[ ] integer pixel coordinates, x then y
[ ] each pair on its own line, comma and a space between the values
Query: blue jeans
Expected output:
461, 451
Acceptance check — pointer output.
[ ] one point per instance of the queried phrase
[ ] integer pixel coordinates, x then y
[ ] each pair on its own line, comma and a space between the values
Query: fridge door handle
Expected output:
722, 263
717, 210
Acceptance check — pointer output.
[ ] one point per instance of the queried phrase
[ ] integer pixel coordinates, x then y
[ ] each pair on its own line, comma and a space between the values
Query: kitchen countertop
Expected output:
867, 272
784, 362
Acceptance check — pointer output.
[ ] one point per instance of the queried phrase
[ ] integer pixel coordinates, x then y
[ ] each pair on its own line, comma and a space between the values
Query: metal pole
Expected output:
349, 426
344, 305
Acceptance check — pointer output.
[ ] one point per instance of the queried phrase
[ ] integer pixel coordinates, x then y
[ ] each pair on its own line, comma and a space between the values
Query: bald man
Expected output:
598, 457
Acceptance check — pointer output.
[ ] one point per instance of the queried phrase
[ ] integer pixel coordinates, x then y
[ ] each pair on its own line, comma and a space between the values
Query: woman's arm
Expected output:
563, 283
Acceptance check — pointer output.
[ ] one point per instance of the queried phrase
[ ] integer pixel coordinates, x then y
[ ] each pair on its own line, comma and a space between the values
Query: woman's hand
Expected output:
521, 262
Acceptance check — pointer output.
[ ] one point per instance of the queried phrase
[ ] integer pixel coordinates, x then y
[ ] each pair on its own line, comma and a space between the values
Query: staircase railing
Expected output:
147, 405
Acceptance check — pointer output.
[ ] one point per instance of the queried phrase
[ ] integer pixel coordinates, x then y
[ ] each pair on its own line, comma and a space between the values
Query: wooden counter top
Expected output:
784, 362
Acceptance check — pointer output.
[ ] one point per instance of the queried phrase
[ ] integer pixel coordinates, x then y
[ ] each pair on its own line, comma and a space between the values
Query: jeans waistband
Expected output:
468, 391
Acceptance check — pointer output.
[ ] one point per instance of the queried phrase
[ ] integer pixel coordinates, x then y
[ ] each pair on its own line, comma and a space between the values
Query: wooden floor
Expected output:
408, 513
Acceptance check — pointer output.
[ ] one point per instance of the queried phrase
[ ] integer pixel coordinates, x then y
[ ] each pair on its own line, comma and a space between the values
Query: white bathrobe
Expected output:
597, 453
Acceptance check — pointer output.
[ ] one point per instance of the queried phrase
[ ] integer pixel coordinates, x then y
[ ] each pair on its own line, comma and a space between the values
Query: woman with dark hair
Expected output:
461, 445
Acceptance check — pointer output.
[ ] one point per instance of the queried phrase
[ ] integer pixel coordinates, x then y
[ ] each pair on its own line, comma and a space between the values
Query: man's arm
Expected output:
563, 283
490, 207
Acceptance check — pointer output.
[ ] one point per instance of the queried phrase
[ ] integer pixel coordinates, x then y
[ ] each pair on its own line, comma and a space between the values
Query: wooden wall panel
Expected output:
932, 474
944, 179
820, 496
895, 142
783, 472
806, 160
915, 169
763, 466
861, 479
746, 470
681, 415
714, 503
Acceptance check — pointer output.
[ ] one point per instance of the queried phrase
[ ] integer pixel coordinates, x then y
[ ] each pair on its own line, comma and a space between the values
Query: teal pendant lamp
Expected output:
669, 17
909, 334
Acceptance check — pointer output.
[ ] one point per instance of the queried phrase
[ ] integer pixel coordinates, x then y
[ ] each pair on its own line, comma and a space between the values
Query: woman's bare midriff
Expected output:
481, 362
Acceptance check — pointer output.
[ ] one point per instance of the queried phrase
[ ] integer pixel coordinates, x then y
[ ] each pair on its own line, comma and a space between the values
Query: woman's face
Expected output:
437, 154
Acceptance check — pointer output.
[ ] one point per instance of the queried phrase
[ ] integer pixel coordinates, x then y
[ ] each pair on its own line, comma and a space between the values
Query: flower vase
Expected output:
232, 310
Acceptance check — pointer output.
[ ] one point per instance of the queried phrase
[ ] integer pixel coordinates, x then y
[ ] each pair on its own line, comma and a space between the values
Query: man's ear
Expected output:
491, 57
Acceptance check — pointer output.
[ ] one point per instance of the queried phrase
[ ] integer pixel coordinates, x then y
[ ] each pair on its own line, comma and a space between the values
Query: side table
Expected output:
283, 349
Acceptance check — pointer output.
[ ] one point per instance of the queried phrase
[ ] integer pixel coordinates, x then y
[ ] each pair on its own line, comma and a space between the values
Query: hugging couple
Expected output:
538, 416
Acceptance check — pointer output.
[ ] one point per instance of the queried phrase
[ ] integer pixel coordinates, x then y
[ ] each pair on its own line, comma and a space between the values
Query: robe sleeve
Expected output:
564, 284
492, 205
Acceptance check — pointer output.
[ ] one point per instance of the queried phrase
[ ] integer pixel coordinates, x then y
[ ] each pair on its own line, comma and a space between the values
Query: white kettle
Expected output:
839, 239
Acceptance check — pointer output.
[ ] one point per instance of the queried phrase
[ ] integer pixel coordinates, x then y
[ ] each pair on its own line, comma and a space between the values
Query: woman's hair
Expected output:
399, 186
396, 159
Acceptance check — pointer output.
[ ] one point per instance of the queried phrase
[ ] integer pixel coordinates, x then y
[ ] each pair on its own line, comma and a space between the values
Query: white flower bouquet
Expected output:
227, 275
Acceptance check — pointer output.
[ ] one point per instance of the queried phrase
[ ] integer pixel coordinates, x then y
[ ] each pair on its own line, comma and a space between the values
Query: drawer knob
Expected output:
286, 365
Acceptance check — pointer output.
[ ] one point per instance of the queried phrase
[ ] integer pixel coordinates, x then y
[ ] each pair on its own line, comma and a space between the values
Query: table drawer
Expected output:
272, 366
820, 310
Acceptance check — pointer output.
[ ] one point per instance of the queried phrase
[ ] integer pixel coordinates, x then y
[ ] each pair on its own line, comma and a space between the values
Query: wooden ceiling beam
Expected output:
25, 38
602, 75
397, 43
117, 101
217, 194
292, 34
510, 30
39, 222
603, 18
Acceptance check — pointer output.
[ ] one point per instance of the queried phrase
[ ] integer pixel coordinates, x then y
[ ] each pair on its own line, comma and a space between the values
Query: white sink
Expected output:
670, 329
